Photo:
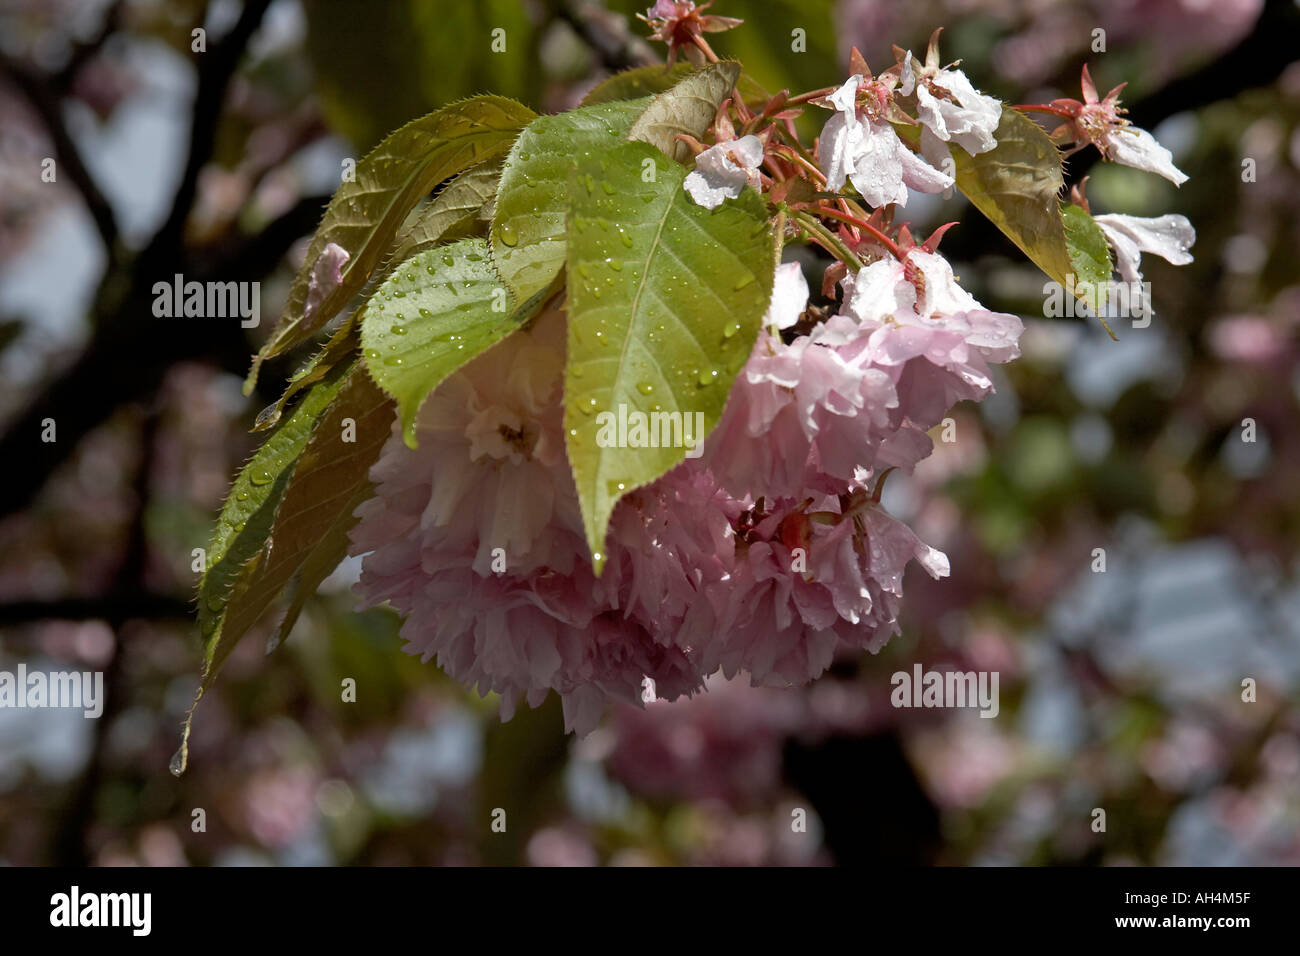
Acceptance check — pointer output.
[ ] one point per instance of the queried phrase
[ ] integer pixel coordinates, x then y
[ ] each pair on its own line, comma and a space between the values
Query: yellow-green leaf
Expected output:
665, 298
365, 213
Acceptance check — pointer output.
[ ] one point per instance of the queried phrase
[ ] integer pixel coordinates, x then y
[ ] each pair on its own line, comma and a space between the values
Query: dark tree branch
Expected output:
123, 606
69, 843
131, 351
215, 68
48, 107
607, 34
83, 53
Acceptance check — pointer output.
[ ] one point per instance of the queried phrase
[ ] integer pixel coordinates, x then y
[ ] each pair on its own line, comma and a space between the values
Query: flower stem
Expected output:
810, 95
1042, 108
707, 50
799, 160
864, 226
827, 239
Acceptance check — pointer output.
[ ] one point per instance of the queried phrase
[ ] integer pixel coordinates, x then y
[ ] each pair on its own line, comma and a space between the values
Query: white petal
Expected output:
919, 174
973, 118
966, 117
873, 294
717, 176
841, 141
1167, 236
844, 99
1135, 147
748, 150
935, 150
933, 560
929, 113
943, 296
908, 75
789, 296
877, 172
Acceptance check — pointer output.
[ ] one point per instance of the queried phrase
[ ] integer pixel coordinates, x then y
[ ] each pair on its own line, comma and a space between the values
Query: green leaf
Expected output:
249, 510
1089, 259
297, 527
436, 312
309, 533
365, 213
340, 345
637, 82
456, 213
689, 107
1016, 185
665, 299
528, 225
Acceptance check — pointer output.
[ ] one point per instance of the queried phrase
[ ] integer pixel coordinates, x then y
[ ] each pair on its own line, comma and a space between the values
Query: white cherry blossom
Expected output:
868, 152
1168, 236
722, 171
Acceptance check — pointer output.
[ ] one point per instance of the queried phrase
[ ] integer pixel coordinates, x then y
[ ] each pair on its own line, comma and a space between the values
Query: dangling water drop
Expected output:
267, 417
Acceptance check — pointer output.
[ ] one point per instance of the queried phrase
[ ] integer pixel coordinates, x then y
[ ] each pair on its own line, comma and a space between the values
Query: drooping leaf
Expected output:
436, 312
788, 44
689, 107
528, 224
456, 213
665, 299
345, 340
247, 515
309, 534
1089, 259
637, 82
297, 531
366, 212
1017, 185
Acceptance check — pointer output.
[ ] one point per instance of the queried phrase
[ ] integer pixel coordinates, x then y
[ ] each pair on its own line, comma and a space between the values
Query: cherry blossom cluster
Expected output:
770, 552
